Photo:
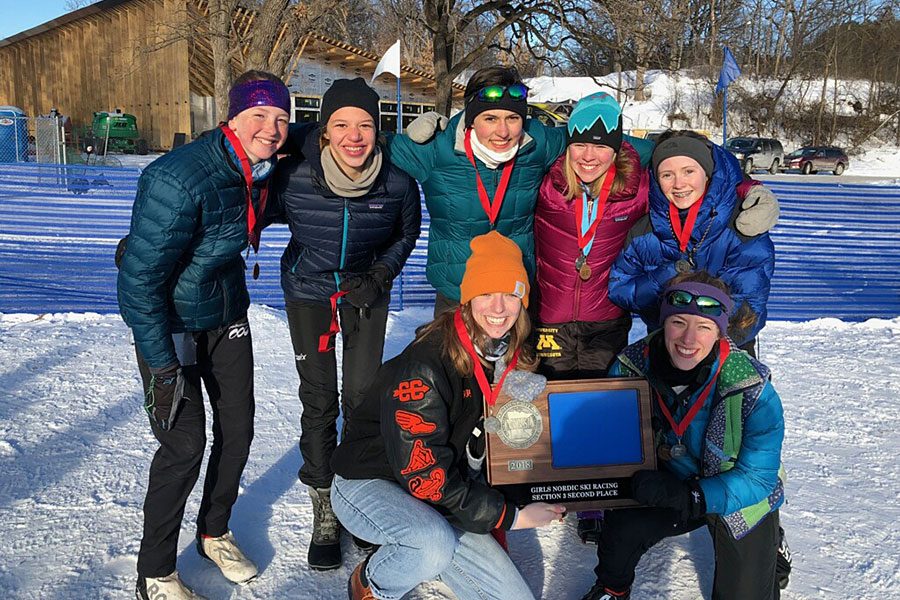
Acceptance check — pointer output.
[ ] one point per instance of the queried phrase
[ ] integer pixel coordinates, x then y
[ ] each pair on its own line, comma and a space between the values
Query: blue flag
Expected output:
730, 71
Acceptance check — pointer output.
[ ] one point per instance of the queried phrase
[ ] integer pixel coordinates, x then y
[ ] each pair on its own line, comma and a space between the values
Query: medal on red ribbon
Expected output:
253, 234
585, 235
679, 449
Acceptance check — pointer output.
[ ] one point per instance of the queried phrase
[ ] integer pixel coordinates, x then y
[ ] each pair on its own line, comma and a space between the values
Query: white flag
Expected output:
390, 62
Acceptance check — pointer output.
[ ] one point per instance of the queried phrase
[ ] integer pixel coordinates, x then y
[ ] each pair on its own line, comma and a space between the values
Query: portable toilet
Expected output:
13, 134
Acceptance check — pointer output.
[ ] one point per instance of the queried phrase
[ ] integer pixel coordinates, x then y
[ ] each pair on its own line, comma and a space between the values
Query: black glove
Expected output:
365, 289
120, 251
164, 396
665, 490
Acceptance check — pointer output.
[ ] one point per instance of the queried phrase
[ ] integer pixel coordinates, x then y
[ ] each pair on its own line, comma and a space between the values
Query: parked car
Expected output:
757, 153
811, 159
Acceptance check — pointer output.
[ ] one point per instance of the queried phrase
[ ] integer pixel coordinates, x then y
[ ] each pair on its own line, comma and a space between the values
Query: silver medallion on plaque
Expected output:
520, 424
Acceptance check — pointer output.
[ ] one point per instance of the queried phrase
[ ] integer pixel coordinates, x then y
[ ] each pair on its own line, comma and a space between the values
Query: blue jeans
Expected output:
419, 544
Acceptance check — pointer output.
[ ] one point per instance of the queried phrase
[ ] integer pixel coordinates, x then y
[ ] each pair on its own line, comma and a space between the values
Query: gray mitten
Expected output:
759, 212
524, 386
424, 127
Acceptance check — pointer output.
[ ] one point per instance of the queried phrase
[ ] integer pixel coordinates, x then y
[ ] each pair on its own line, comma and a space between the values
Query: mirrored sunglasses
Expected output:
494, 93
707, 305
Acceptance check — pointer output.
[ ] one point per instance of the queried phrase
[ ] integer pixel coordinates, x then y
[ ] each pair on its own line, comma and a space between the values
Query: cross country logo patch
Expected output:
419, 459
413, 423
411, 389
428, 488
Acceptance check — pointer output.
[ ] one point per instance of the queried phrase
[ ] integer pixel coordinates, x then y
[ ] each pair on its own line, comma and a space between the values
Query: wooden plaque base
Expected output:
520, 455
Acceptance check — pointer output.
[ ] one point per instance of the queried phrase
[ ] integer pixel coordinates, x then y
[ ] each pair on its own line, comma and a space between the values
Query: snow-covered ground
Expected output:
75, 447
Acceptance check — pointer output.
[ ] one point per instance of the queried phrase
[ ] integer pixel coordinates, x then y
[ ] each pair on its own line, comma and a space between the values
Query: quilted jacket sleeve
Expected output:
416, 428
748, 272
406, 231
416, 159
163, 222
636, 278
755, 472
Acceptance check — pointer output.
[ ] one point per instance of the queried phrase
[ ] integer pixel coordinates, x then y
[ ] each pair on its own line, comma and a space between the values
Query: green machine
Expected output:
114, 132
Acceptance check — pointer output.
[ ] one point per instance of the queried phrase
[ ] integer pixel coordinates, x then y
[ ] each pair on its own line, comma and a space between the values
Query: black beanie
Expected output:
684, 145
475, 107
350, 92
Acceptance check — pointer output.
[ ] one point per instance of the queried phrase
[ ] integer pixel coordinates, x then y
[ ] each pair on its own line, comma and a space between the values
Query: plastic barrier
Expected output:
838, 246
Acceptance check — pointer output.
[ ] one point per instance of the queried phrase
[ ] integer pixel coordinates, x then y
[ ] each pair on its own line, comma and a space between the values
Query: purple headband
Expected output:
666, 309
261, 92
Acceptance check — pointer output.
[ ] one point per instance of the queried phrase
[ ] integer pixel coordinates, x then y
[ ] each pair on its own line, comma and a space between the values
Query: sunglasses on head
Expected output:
707, 305
494, 93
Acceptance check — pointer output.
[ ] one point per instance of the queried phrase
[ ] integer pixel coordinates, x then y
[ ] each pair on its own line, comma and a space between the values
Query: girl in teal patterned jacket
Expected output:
719, 429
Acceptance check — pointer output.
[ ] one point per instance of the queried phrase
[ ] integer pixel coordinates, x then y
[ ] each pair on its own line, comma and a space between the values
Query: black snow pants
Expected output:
362, 334
224, 363
745, 568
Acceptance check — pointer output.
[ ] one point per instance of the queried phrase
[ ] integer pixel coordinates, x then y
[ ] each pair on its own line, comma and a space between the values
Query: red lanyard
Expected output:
491, 208
252, 233
490, 395
683, 233
681, 427
585, 239
325, 344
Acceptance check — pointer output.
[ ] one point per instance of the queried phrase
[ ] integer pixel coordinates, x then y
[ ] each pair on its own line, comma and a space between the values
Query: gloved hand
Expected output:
538, 514
120, 251
365, 289
164, 395
425, 126
524, 386
664, 489
759, 212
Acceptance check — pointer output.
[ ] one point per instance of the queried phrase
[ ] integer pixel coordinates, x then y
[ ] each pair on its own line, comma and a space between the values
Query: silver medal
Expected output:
678, 450
682, 266
492, 424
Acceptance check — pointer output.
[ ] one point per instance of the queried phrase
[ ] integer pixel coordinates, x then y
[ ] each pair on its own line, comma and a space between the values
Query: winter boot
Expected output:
364, 545
225, 554
358, 585
601, 592
169, 587
325, 546
783, 561
589, 530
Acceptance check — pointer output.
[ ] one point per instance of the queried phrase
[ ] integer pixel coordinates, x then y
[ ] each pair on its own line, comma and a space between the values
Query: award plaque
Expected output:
577, 443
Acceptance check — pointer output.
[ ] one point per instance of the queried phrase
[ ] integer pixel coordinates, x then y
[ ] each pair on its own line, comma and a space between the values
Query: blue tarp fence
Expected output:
838, 246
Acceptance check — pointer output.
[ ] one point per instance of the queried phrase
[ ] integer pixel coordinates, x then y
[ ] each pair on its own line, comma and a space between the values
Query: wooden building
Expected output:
126, 54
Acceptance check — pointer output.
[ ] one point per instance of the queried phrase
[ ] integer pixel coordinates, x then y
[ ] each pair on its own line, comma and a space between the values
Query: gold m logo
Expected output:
546, 342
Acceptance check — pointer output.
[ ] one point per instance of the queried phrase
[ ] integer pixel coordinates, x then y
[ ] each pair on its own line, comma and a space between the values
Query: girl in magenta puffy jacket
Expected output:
588, 201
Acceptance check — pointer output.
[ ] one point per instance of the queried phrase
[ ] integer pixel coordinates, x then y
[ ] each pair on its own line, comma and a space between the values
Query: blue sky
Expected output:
19, 15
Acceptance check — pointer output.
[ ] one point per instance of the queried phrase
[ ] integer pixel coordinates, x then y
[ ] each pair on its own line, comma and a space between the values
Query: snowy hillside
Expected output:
75, 447
680, 93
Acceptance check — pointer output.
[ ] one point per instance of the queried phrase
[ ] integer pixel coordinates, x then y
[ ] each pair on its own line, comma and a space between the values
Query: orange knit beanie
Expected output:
495, 265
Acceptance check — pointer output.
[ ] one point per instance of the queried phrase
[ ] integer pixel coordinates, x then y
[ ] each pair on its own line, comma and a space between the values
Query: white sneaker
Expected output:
169, 587
225, 554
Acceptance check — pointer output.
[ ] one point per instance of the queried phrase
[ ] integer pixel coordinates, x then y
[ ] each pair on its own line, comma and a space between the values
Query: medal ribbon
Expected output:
490, 395
683, 233
681, 426
252, 233
491, 208
334, 328
587, 231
